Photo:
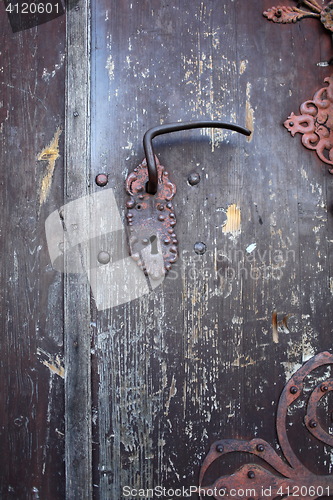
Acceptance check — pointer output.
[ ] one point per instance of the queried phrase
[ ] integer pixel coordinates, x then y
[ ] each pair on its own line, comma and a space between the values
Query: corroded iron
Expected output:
287, 14
167, 128
151, 221
283, 476
316, 123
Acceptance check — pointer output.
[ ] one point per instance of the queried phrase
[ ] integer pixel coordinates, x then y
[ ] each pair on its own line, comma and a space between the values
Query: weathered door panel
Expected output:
205, 355
200, 358
32, 371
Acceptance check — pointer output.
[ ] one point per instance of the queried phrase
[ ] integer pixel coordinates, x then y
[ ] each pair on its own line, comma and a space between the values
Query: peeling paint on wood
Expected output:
232, 225
249, 112
110, 67
50, 154
53, 363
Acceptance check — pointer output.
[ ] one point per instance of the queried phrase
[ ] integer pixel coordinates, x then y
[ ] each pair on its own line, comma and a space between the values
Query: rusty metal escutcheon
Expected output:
150, 212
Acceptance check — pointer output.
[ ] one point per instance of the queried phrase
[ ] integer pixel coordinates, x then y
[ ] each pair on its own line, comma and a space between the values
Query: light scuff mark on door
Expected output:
251, 248
172, 393
249, 112
50, 154
232, 225
47, 74
53, 363
110, 67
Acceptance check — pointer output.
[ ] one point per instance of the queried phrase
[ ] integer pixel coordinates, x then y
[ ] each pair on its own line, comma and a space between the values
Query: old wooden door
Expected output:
111, 398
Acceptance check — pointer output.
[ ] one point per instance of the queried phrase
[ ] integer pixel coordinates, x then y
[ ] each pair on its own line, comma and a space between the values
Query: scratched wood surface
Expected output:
31, 339
76, 285
206, 354
199, 358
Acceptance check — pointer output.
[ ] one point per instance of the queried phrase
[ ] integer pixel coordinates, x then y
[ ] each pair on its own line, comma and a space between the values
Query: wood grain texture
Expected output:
198, 358
31, 339
76, 286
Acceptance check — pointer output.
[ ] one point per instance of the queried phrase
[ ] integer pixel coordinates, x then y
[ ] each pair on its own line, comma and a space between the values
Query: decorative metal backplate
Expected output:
286, 14
282, 477
151, 220
316, 123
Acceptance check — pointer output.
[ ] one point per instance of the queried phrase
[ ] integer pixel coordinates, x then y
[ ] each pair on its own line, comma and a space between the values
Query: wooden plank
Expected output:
77, 289
31, 315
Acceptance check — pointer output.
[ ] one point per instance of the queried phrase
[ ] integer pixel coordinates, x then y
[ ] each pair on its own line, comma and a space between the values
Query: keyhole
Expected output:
153, 241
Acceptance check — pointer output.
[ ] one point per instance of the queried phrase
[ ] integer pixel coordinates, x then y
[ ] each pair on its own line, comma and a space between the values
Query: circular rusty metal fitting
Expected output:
293, 389
101, 180
220, 448
200, 247
193, 179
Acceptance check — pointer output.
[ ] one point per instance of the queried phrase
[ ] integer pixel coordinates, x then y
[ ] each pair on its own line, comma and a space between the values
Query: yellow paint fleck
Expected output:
243, 361
50, 154
233, 223
242, 66
110, 67
55, 367
249, 112
54, 364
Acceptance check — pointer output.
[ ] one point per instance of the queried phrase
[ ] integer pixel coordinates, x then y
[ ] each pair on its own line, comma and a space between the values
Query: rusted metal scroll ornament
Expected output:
282, 477
316, 123
285, 14
316, 119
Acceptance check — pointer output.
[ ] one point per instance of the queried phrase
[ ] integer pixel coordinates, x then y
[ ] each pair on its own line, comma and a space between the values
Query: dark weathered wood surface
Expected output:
77, 288
31, 338
199, 358
206, 354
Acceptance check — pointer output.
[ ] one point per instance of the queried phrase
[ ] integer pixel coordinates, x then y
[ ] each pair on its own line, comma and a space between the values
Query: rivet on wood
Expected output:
200, 248
103, 257
194, 179
102, 180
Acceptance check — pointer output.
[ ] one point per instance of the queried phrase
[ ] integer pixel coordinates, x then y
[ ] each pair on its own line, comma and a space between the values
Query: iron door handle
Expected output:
151, 187
150, 213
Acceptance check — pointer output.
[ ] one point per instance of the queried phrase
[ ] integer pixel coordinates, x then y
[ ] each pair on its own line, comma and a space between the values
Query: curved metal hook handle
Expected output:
175, 127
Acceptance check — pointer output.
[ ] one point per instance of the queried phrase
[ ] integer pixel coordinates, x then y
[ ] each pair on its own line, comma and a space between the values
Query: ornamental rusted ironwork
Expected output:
282, 476
315, 123
290, 14
151, 221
